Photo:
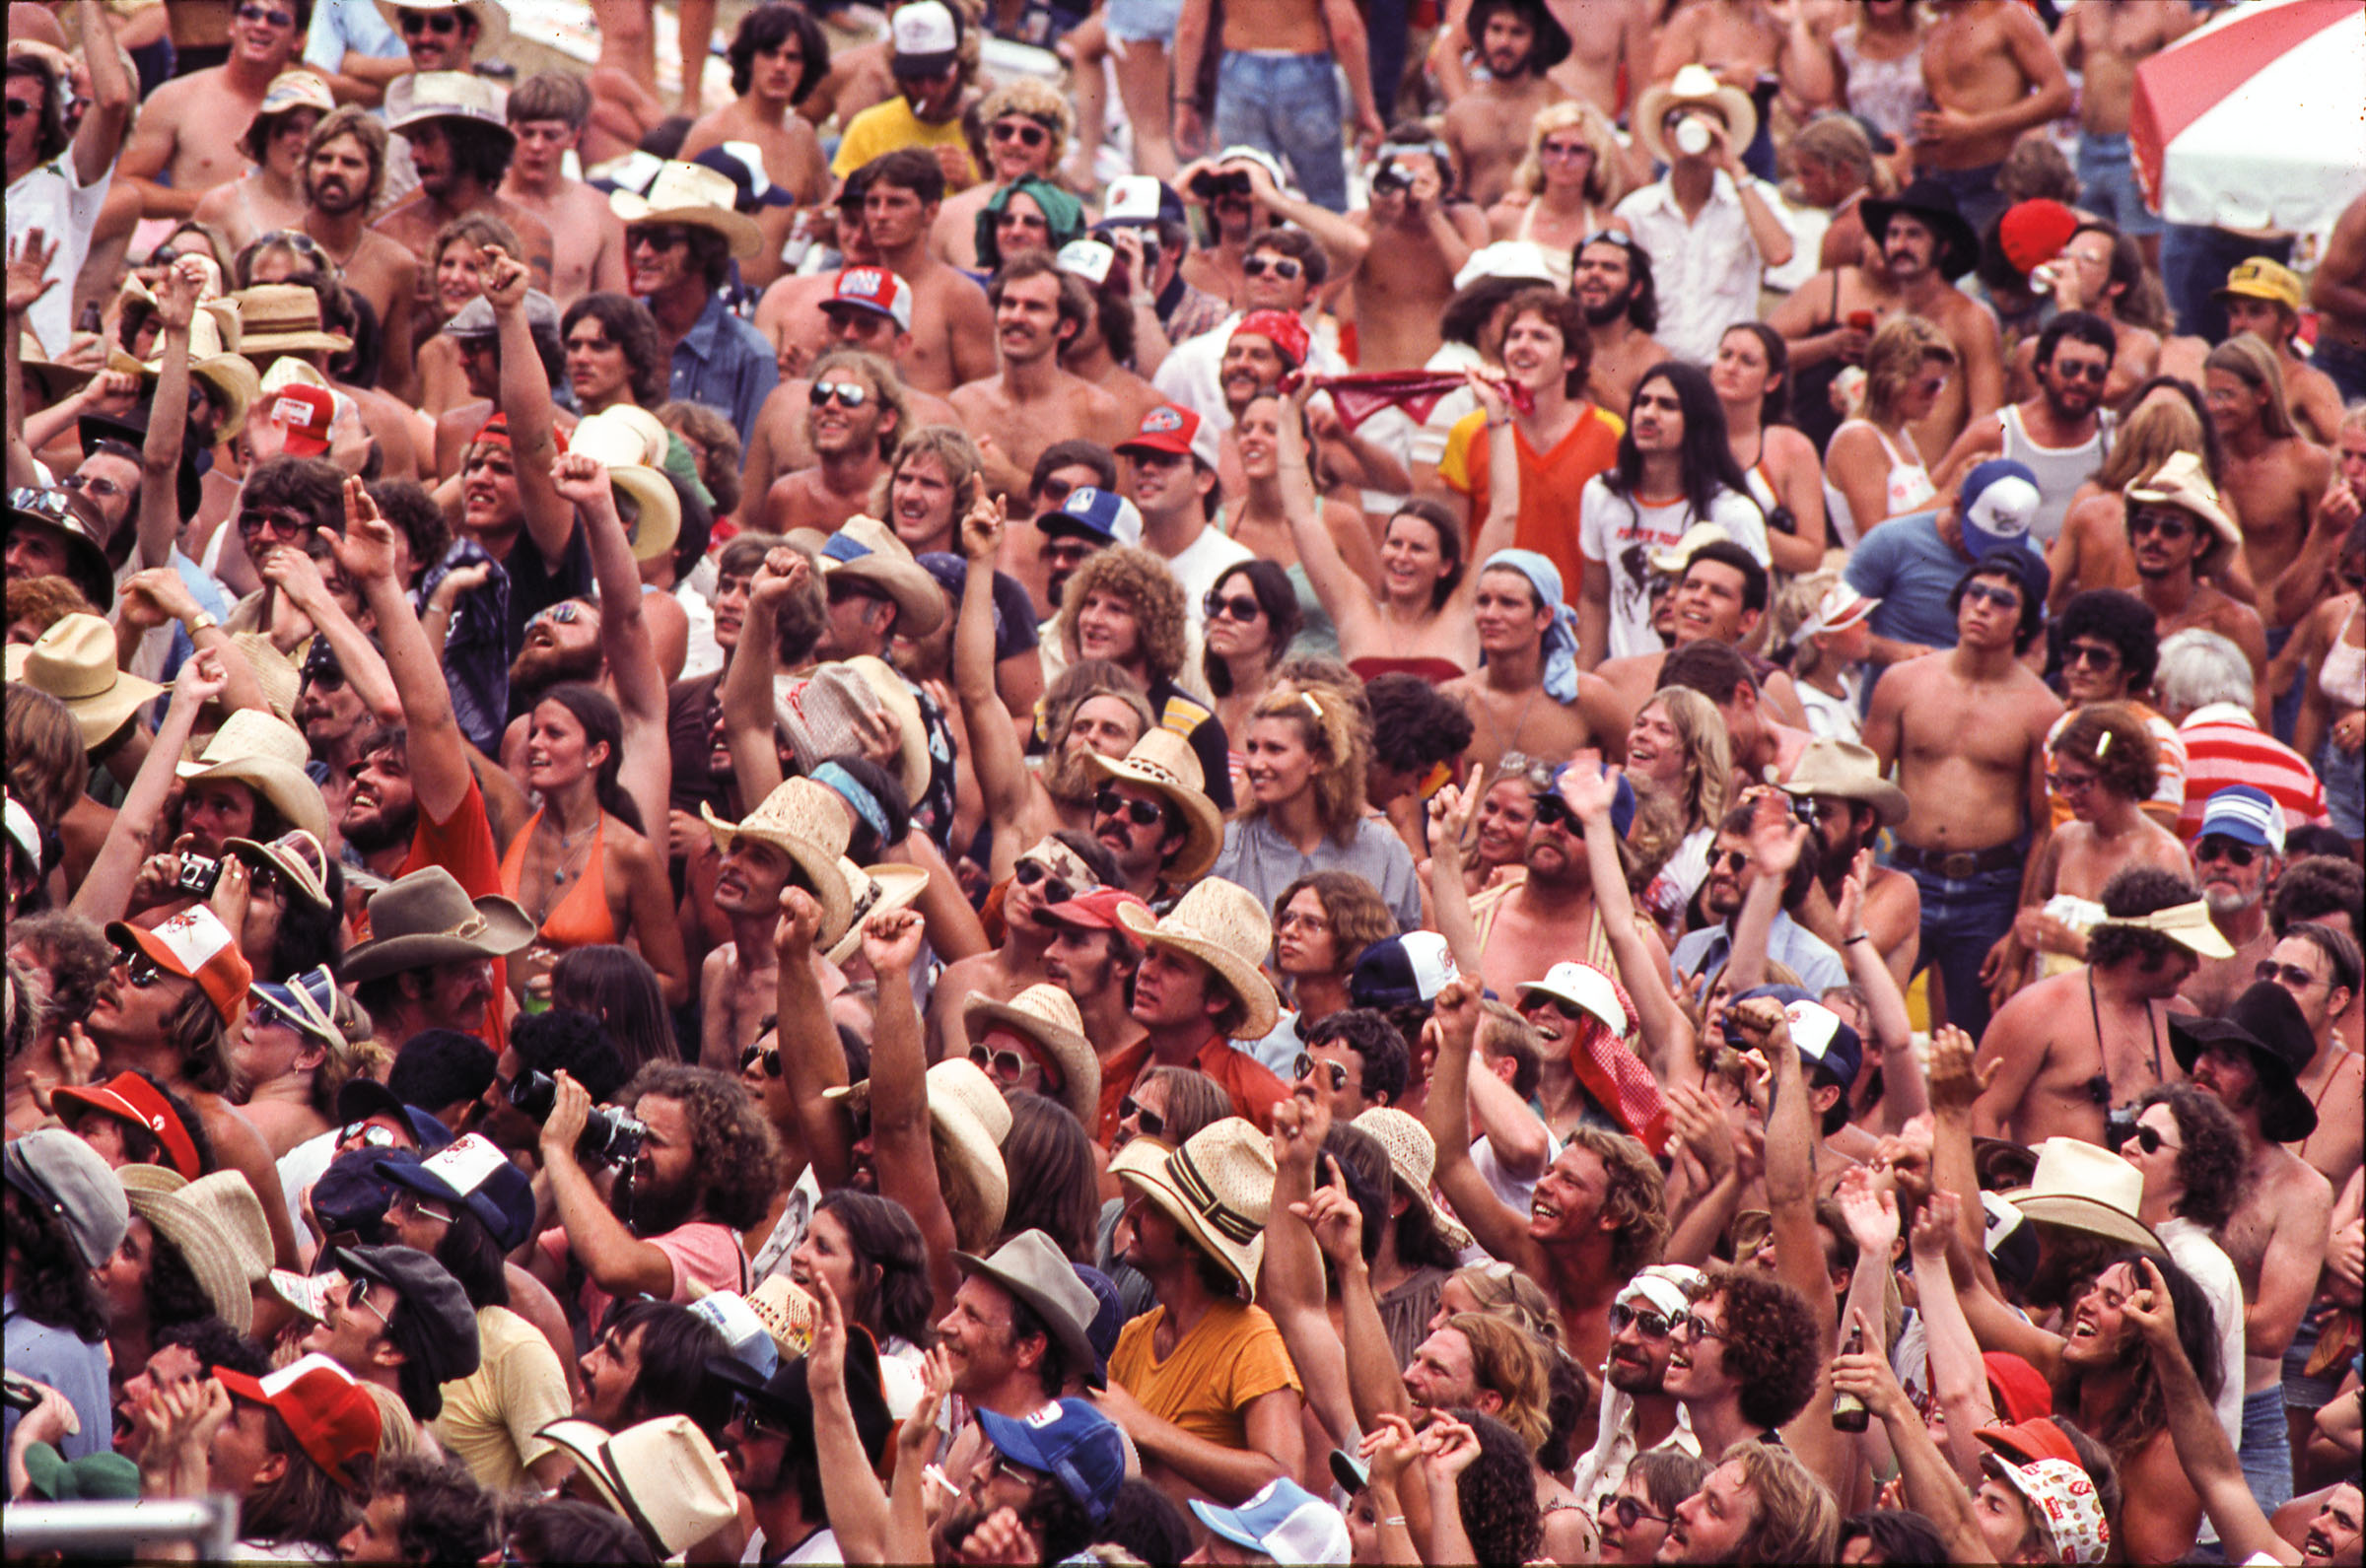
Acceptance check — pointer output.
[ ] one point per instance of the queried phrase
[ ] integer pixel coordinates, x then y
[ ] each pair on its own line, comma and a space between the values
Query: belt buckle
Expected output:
1959, 866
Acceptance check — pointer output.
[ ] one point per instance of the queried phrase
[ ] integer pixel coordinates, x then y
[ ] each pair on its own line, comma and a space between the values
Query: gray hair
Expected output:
2197, 669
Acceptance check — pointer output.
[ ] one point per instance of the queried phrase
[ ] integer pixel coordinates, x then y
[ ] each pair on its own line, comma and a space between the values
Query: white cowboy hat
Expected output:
267, 755
622, 447
972, 1118
2082, 1185
492, 21
692, 194
876, 890
1695, 84
215, 1237
663, 1476
1219, 1187
1163, 761
1222, 925
806, 822
1413, 1155
446, 95
1048, 1016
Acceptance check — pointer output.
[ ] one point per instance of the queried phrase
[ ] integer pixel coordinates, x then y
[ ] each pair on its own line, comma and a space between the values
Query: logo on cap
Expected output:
1159, 420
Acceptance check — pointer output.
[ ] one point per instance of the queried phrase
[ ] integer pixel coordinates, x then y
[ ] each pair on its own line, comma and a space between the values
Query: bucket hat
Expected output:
1222, 925
427, 918
76, 521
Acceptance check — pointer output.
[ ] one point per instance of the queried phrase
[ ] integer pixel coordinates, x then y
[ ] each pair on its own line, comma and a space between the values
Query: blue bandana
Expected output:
1561, 638
866, 805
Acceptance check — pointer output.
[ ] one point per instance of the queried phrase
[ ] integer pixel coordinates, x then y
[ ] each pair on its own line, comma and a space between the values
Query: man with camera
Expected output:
1423, 231
692, 1162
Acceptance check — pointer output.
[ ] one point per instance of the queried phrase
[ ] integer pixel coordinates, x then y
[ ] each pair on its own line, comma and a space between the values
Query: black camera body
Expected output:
198, 876
610, 1137
1389, 180
1208, 184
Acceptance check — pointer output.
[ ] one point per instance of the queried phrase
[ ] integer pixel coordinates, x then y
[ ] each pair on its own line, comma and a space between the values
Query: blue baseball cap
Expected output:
1824, 1037
1996, 504
1283, 1521
1622, 804
363, 1098
2246, 814
474, 1172
1406, 971
1071, 1442
1090, 512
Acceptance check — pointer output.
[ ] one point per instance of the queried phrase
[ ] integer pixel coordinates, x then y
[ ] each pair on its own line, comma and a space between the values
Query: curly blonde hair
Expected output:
1140, 578
1039, 102
1894, 358
1603, 185
1332, 727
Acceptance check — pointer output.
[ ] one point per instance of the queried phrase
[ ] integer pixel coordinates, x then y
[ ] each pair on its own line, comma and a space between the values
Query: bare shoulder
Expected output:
2035, 1004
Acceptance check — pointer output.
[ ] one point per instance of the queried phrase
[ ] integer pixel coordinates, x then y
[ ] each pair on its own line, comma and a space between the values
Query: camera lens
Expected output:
535, 1093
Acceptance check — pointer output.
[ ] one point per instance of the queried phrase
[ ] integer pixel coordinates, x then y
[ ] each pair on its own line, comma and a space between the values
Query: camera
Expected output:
610, 1137
198, 876
1387, 180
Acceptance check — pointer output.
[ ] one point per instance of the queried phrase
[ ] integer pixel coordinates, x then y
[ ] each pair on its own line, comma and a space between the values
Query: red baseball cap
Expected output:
2021, 1390
1169, 428
2033, 232
334, 1418
128, 1097
876, 290
1095, 910
2030, 1441
306, 414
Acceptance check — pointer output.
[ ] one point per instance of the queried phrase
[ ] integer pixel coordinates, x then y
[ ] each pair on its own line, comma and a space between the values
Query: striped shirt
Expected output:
2224, 745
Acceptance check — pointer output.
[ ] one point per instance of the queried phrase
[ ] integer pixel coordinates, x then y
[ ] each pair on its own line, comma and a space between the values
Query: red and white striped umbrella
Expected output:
2257, 120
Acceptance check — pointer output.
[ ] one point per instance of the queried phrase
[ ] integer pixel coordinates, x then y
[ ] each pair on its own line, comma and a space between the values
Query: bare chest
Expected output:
1979, 721
1968, 62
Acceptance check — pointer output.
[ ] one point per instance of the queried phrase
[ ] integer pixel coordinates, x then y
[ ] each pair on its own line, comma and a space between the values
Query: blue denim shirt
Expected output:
1789, 944
725, 364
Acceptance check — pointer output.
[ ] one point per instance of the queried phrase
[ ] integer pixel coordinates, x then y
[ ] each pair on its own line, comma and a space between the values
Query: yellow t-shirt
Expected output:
884, 127
490, 1417
1234, 1356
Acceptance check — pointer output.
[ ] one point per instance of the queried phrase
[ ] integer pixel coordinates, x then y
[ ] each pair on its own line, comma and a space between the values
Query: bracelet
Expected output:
1851, 941
203, 620
1397, 1520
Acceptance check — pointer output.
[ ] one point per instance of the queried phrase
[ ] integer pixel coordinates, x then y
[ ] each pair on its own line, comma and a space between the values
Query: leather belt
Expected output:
1957, 865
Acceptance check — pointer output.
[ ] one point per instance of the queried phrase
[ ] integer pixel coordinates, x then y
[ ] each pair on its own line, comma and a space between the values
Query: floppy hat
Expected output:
806, 822
128, 1097
285, 318
446, 95
196, 945
1090, 512
1222, 925
1934, 204
1030, 1267
333, 1418
472, 1171
2061, 1499
876, 890
2259, 278
1177, 431
692, 194
875, 290
1552, 40
1846, 770
1583, 987
1413, 1155
894, 693
66, 1177
1164, 762
79, 524
866, 550
1048, 1016
296, 855
973, 1117
1219, 1187
427, 918
2082, 1185
623, 446
492, 20
1406, 971
222, 1270
663, 1476
1283, 1521
2183, 481
74, 661
2186, 925
2268, 1023
267, 755
1841, 608
1071, 1442
1695, 84
104, 1476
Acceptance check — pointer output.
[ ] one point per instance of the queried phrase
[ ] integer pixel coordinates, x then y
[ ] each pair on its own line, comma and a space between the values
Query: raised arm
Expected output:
167, 415
899, 1100
1958, 1380
994, 750
1668, 1034
747, 681
812, 1057
524, 397
1291, 1284
1902, 1091
105, 891
438, 754
1932, 1487
99, 136
856, 1504
581, 483
299, 581
28, 263
1342, 592
1452, 1028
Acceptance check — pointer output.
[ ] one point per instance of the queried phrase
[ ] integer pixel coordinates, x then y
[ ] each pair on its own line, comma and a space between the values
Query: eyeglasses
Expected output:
1287, 268
771, 1060
1553, 811
1563, 152
1009, 1064
278, 524
1240, 607
278, 19
2218, 846
1730, 859
1054, 890
1141, 814
2083, 371
1053, 491
1630, 1513
358, 1300
2291, 975
1304, 1068
436, 22
1694, 1324
846, 394
2094, 654
92, 483
2002, 597
1292, 920
370, 1138
1025, 132
2069, 783
753, 1423
1651, 1325
139, 968
1149, 1121
2168, 525
2149, 1139
655, 238
424, 1210
564, 613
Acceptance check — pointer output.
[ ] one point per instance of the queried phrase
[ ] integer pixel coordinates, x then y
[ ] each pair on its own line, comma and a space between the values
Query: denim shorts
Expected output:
2107, 180
1289, 106
1143, 20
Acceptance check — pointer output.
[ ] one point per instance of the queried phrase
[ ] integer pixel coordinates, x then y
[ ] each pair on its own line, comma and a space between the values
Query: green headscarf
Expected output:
1062, 212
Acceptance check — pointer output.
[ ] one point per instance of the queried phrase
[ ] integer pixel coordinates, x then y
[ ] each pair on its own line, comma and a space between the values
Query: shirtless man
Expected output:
547, 114
853, 417
1123, 313
953, 327
186, 140
344, 170
2277, 1236
1991, 73
1284, 96
1926, 244
1034, 402
1610, 51
789, 314
1487, 123
1422, 233
1611, 278
777, 56
1046, 874
2098, 270
1527, 926
2237, 854
2263, 299
2274, 477
1967, 731
1766, 750
2063, 1053
2319, 966
1233, 219
2106, 43
2179, 532
460, 147
1519, 609
738, 985
2338, 291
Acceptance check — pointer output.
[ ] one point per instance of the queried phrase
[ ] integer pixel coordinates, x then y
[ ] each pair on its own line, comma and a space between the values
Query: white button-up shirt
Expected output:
1706, 271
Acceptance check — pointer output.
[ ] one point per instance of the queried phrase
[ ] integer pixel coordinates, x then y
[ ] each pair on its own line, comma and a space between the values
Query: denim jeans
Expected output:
2107, 181
2266, 1452
1976, 194
2345, 364
1289, 105
1960, 922
2195, 262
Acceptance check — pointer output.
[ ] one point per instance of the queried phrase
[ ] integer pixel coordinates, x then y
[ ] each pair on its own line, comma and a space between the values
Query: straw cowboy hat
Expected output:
1048, 1016
1222, 925
1413, 1155
1695, 84
2082, 1185
866, 550
296, 856
621, 446
876, 890
1218, 1186
973, 1118
806, 822
214, 358
692, 194
427, 918
214, 1235
1844, 770
787, 1313
2183, 482
446, 95
1163, 761
284, 319
492, 21
74, 661
663, 1476
819, 712
267, 755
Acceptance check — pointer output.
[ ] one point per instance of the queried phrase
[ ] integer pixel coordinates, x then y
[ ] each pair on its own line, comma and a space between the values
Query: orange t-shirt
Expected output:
1550, 484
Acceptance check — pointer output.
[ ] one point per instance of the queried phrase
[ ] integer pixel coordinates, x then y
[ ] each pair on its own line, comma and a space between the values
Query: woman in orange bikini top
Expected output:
581, 866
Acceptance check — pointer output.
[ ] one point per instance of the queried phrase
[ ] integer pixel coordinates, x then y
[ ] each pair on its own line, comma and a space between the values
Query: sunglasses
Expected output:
1730, 859
846, 394
278, 524
755, 1423
1553, 811
2004, 598
356, 1299
2084, 370
2069, 783
370, 1138
2291, 975
1693, 1323
770, 1058
139, 970
19, 107
1651, 1325
2098, 657
2217, 847
657, 239
1304, 1068
1239, 607
1141, 814
278, 19
1054, 890
1284, 267
1024, 132
1565, 152
1629, 1512
1149, 1121
2149, 1139
564, 613
2170, 529
1008, 1064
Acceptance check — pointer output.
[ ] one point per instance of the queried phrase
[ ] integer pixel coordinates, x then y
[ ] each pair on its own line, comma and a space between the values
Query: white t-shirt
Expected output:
49, 198
1621, 534
2214, 1272
1202, 561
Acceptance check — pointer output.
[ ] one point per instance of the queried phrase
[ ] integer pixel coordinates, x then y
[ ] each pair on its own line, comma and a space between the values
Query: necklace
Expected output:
564, 872
1496, 733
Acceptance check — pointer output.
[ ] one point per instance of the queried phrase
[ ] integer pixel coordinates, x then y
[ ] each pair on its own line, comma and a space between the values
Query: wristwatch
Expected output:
201, 621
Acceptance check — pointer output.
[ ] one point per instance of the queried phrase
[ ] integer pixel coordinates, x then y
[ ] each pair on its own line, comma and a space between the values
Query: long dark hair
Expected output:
596, 711
1270, 585
1050, 1159
628, 323
895, 1299
2145, 1412
52, 1285
1449, 542
616, 986
1707, 455
1775, 405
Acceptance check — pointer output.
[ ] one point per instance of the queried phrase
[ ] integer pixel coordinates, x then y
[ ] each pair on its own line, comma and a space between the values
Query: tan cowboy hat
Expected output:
74, 661
1222, 925
1163, 761
663, 1476
621, 446
1030, 1267
284, 319
201, 1219
1048, 1016
2082, 1185
296, 855
2184, 482
280, 677
52, 381
427, 918
973, 1117
787, 1313
446, 95
492, 21
692, 194
876, 890
212, 360
1219, 1187
1844, 770
267, 755
1413, 1155
806, 822
866, 549
1695, 84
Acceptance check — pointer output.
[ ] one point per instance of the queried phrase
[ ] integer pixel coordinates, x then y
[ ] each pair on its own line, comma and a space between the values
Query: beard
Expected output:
651, 1207
537, 669
1632, 1378
1835, 860
1604, 315
388, 829
1065, 779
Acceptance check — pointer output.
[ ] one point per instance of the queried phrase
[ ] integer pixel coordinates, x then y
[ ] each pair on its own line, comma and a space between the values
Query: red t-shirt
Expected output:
1551, 484
463, 844
1252, 1087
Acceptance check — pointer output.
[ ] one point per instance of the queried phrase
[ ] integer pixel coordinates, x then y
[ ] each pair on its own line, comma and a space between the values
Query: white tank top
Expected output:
1903, 488
2060, 470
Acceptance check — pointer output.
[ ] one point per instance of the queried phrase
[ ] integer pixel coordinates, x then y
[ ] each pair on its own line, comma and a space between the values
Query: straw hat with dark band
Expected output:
1164, 762
1219, 1187
806, 822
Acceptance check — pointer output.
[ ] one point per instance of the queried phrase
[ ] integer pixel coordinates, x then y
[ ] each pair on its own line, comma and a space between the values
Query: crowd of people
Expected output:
1294, 783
